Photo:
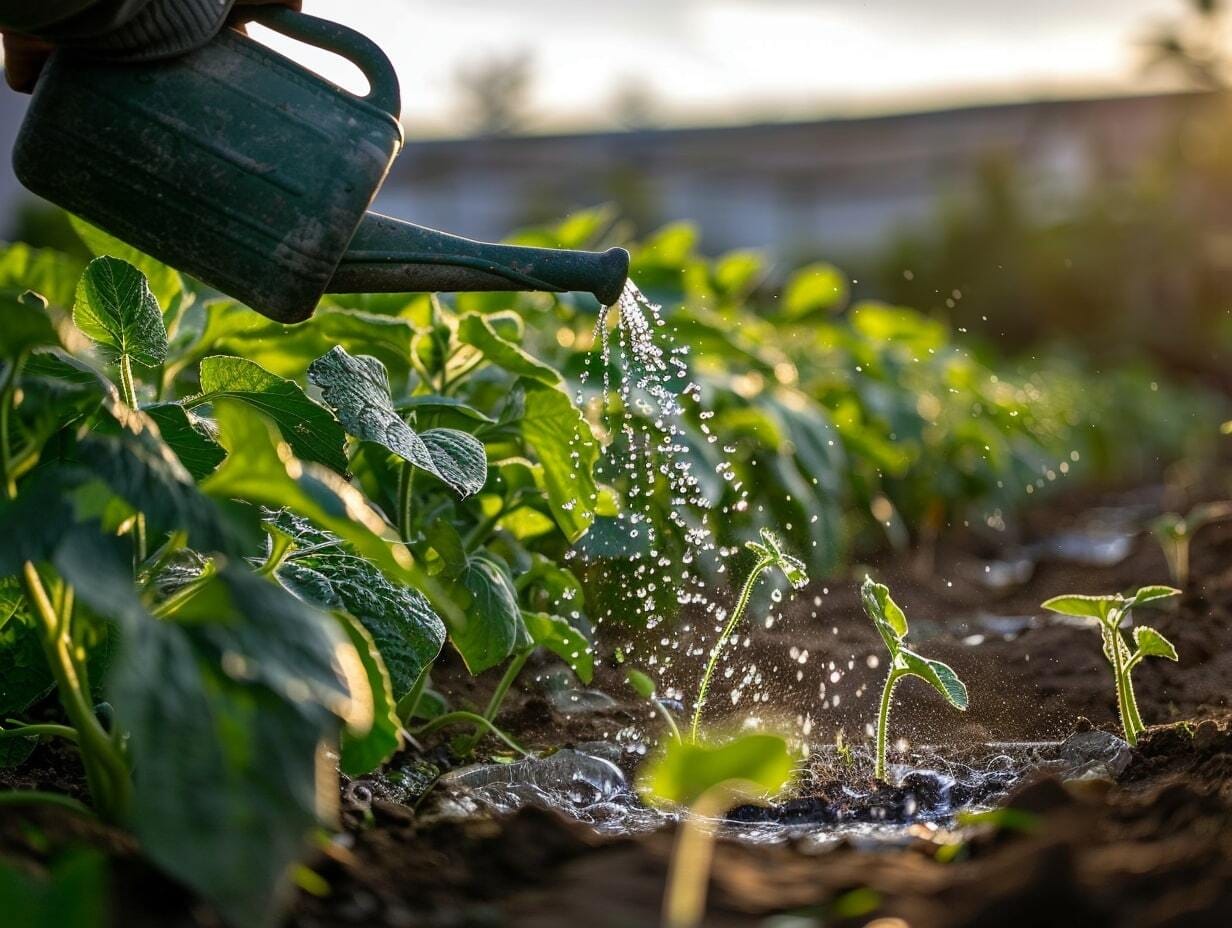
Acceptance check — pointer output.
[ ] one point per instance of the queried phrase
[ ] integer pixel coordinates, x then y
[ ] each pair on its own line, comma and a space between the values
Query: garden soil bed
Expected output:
1153, 848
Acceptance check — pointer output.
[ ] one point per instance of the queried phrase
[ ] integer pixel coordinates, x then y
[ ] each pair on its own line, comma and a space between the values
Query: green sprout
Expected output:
770, 554
1109, 612
708, 780
891, 622
1175, 532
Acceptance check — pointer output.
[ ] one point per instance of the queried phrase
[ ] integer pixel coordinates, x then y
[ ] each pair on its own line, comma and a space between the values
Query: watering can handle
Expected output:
355, 47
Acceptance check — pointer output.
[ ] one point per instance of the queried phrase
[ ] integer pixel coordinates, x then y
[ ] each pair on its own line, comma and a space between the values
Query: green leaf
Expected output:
566, 448
642, 684
363, 752
1151, 594
26, 323
1091, 607
1152, 644
886, 615
140, 468
115, 308
165, 282
309, 428
475, 330
71, 893
689, 770
324, 570
357, 389
26, 678
815, 288
437, 405
46, 272
563, 640
257, 472
492, 624
189, 436
448, 545
941, 676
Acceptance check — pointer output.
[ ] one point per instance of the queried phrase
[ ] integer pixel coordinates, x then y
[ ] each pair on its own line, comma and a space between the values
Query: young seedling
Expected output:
1109, 612
1175, 532
645, 687
708, 780
770, 554
891, 622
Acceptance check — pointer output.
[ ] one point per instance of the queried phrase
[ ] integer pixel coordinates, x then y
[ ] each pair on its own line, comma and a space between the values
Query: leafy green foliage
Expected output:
891, 622
567, 451
358, 391
492, 626
311, 431
1109, 613
73, 894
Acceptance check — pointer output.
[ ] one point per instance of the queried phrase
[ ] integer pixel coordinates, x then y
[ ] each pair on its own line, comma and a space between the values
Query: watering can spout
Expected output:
389, 255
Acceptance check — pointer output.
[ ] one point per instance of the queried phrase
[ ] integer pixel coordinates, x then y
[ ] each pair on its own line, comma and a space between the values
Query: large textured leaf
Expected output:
114, 307
326, 571
309, 428
165, 282
361, 753
261, 471
566, 448
688, 770
941, 676
491, 626
357, 389
189, 436
226, 707
475, 330
563, 640
886, 615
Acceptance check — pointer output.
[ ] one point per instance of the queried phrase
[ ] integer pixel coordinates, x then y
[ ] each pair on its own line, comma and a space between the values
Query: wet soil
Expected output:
1150, 847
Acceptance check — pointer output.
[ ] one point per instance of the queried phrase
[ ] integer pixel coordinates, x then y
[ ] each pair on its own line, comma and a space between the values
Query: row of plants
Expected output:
234, 549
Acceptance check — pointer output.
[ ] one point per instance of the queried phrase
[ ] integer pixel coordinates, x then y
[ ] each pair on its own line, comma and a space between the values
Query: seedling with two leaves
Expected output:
1108, 614
770, 554
891, 622
1175, 533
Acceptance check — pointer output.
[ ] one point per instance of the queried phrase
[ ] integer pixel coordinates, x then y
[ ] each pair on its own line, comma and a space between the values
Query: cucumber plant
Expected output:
1175, 533
891, 623
770, 556
1108, 614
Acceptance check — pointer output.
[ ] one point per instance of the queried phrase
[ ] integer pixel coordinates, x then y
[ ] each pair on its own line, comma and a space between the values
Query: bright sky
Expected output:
727, 60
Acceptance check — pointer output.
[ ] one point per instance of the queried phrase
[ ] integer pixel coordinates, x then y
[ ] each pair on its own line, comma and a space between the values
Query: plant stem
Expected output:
173, 602
127, 390
688, 872
406, 483
498, 695
883, 723
280, 547
7, 393
106, 772
33, 797
1118, 670
468, 718
737, 613
667, 717
410, 702
37, 731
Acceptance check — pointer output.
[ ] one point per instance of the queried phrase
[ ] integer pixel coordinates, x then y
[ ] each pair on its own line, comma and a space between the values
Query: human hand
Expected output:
25, 55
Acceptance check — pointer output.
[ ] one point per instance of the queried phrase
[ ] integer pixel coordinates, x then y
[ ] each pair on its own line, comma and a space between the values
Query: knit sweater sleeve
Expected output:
129, 30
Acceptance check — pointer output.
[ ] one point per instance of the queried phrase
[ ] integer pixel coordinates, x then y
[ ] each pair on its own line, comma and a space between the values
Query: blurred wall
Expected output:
837, 187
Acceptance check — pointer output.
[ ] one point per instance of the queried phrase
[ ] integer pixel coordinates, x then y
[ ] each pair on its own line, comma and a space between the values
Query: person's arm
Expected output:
122, 30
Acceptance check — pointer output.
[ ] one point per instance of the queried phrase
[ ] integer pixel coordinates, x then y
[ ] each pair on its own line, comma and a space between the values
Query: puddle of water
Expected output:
836, 798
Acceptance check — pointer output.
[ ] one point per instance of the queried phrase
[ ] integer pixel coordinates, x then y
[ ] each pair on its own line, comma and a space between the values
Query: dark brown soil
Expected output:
1152, 849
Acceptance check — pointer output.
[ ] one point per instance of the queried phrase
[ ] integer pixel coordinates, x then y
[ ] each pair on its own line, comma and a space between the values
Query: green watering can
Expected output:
251, 173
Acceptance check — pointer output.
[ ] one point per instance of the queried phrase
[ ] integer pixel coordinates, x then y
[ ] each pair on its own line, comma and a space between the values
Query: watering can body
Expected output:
244, 169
